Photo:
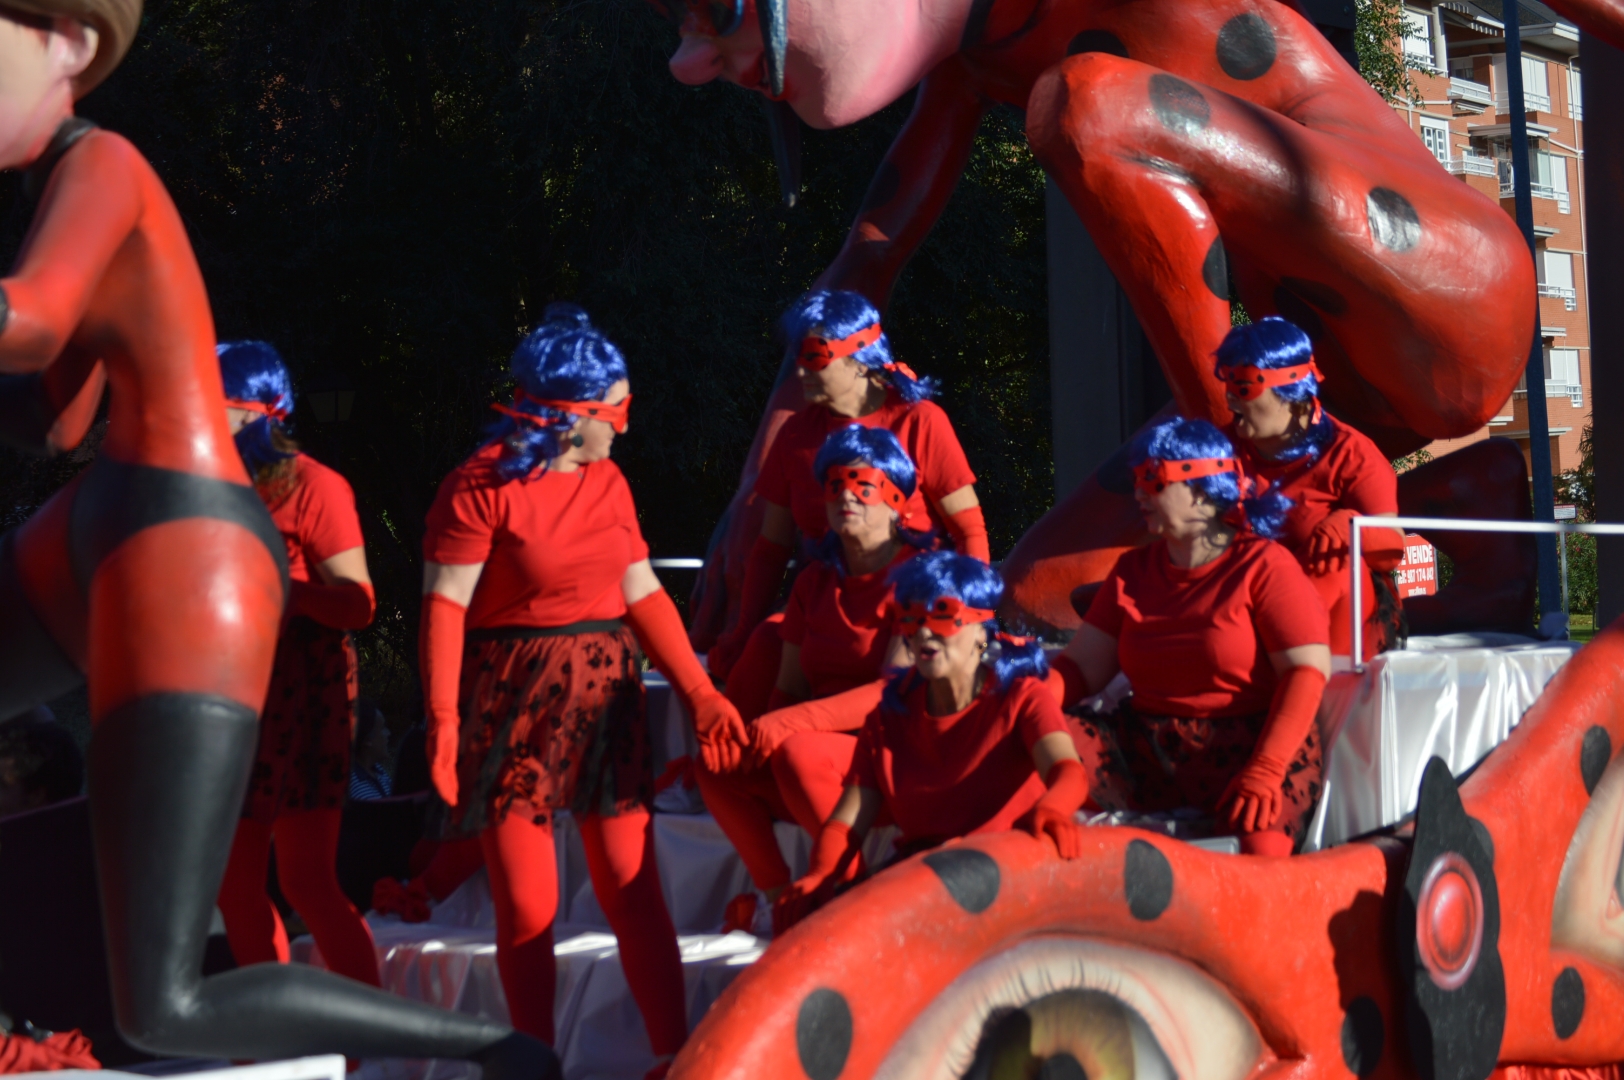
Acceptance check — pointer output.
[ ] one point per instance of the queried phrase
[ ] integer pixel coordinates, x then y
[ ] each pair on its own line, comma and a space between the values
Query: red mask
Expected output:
1247, 382
870, 485
946, 617
1152, 475
274, 412
818, 353
615, 415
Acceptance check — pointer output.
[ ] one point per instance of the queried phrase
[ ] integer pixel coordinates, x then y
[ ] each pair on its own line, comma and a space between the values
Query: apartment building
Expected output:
1457, 52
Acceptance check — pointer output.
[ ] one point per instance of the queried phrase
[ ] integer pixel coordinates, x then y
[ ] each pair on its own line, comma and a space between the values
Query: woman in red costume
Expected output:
296, 791
848, 375
1329, 471
967, 741
837, 641
536, 580
157, 571
1223, 640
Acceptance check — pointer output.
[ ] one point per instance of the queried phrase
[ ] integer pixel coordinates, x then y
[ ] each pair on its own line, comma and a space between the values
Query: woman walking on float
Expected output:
296, 791
848, 375
536, 580
1330, 472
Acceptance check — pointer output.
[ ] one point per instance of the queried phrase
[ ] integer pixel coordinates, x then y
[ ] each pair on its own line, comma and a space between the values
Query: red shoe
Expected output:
740, 913
20, 1053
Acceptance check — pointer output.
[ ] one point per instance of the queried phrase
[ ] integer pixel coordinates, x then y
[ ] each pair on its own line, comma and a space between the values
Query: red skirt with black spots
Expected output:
1151, 763
552, 719
305, 731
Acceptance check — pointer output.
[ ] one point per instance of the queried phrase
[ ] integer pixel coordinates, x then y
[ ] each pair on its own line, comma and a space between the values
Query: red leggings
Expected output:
306, 848
802, 783
524, 885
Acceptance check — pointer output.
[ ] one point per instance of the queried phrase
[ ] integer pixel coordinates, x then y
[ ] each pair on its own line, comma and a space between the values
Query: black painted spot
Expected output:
1215, 269
1363, 1035
1321, 295
1393, 221
1147, 880
1062, 1066
1485, 839
1246, 47
883, 188
1594, 754
823, 1034
1179, 106
1101, 41
1567, 1002
970, 877
1296, 309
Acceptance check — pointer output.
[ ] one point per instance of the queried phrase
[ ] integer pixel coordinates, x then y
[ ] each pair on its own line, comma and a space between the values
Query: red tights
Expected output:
306, 848
802, 783
524, 885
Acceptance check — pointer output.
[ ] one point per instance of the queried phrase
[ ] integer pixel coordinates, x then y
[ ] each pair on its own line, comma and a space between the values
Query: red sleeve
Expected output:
1372, 487
626, 510
943, 468
1286, 608
772, 482
461, 524
864, 772
1036, 712
793, 629
328, 522
1105, 610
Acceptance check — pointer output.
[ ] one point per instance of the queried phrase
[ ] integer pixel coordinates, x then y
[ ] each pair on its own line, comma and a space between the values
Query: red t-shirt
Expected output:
555, 545
1195, 643
1349, 474
970, 772
316, 517
842, 624
924, 431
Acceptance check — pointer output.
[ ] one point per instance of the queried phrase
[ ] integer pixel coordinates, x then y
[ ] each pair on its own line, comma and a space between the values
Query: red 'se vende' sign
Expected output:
1417, 575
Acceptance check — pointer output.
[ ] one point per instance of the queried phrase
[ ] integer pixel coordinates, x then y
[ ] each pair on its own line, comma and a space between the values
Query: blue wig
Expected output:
254, 371
880, 448
1273, 342
564, 359
1179, 439
925, 579
842, 313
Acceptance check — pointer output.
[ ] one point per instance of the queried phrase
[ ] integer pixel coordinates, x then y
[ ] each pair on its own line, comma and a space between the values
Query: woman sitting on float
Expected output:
967, 741
1329, 471
1223, 640
837, 640
848, 375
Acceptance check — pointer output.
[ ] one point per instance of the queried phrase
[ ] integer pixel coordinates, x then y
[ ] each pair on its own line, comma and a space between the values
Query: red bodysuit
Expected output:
1350, 474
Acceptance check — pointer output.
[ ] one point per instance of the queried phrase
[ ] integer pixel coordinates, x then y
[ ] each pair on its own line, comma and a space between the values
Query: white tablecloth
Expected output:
1450, 697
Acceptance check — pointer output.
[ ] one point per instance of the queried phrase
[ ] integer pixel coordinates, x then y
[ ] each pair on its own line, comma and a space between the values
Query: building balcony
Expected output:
1572, 391
1576, 112
1467, 92
1531, 102
1569, 298
1539, 191
1470, 165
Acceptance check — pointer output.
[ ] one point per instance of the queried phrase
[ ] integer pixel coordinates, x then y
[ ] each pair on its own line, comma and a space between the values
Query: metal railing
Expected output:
1404, 524
677, 564
1468, 90
1532, 102
1470, 165
1569, 297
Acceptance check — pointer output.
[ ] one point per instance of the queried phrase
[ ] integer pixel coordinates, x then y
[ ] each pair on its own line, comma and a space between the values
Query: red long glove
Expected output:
348, 605
846, 711
660, 632
1065, 681
1054, 815
763, 576
439, 658
1251, 802
1329, 545
969, 530
836, 857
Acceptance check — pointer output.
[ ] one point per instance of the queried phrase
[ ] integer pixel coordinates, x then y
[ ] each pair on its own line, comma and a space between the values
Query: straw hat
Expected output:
115, 22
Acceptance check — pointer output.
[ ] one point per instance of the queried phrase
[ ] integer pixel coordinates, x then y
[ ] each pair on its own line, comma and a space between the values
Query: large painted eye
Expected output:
1064, 1008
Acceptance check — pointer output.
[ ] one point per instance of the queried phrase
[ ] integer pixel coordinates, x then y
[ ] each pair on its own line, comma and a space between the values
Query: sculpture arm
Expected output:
911, 186
90, 208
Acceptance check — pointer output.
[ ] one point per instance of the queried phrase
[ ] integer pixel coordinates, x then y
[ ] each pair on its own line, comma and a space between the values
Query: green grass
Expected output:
1581, 627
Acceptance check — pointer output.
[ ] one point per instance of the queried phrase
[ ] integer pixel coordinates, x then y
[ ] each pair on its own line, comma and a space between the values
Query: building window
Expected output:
1556, 277
1435, 133
1562, 374
1576, 98
1418, 39
1536, 88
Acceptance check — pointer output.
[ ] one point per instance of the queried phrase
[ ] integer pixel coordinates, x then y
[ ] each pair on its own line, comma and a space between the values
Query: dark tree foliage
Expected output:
391, 190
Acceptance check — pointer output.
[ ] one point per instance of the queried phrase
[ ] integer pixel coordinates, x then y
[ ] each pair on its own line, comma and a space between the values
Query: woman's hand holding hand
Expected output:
767, 734
720, 731
800, 900
1328, 545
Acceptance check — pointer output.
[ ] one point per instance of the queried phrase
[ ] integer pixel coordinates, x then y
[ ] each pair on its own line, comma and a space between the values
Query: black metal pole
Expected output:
1552, 620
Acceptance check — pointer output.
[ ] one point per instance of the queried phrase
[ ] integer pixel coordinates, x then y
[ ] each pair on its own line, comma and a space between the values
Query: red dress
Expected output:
551, 696
308, 723
1195, 645
968, 772
922, 428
